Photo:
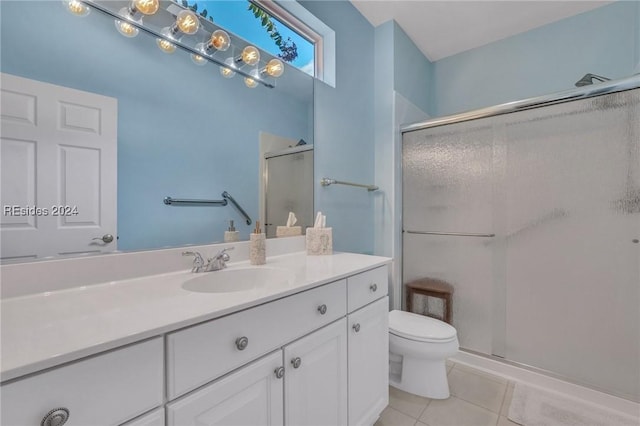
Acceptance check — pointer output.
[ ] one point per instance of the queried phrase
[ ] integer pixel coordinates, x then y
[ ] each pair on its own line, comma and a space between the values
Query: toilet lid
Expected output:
419, 327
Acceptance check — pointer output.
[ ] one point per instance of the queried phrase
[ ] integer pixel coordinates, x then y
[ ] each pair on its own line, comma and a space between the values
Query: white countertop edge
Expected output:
37, 366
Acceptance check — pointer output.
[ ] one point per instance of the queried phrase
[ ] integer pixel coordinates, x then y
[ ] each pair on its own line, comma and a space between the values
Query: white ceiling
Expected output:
444, 28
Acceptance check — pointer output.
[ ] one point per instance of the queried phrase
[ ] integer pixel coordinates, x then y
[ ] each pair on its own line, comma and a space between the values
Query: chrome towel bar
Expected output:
453, 234
171, 201
329, 181
225, 195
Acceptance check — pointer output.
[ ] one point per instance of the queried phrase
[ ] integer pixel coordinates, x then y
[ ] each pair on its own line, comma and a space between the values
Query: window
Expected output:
267, 26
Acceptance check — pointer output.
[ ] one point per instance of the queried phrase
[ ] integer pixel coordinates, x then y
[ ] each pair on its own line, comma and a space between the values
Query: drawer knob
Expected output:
56, 417
356, 327
279, 372
322, 309
373, 287
242, 343
296, 362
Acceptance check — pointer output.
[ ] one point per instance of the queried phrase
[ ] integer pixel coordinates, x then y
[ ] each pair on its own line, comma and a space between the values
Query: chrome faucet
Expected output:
219, 261
198, 261
215, 263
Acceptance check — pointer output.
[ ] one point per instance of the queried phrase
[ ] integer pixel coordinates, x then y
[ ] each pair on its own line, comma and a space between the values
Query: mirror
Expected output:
180, 131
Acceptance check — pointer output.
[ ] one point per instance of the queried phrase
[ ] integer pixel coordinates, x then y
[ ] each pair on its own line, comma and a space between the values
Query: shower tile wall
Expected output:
558, 287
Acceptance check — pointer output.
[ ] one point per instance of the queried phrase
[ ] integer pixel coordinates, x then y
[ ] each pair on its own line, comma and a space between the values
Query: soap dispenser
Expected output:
231, 235
257, 246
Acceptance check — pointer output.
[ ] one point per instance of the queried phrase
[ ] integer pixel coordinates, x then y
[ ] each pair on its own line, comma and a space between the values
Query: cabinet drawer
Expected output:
106, 389
204, 352
366, 287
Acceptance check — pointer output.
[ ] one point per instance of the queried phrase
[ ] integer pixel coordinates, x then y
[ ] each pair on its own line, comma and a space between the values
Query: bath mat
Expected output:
536, 407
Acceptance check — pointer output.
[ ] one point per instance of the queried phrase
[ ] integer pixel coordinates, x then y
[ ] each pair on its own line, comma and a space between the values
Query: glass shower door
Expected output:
448, 189
557, 287
572, 193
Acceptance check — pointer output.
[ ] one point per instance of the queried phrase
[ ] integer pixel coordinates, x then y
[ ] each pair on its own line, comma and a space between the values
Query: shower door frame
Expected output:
600, 89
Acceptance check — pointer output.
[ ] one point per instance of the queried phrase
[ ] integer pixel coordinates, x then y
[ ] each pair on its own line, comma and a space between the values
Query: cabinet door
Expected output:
368, 337
316, 378
251, 395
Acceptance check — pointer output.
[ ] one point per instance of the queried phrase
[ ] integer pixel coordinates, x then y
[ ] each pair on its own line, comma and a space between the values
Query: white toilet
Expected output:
418, 347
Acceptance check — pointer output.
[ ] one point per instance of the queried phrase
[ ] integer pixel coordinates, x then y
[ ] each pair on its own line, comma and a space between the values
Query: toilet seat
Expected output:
420, 328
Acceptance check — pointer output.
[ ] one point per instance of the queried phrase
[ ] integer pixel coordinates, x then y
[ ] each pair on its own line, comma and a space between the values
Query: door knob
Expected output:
296, 362
322, 309
356, 328
106, 238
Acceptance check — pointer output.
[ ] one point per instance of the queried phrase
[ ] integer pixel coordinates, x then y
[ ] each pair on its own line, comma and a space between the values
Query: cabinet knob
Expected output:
279, 372
297, 362
242, 343
356, 327
373, 287
56, 417
322, 309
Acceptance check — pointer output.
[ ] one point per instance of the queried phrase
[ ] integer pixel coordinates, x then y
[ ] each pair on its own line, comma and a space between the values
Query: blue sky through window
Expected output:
235, 16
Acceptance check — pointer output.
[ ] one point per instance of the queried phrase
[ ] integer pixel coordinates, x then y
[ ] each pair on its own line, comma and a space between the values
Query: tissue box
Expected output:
319, 241
288, 231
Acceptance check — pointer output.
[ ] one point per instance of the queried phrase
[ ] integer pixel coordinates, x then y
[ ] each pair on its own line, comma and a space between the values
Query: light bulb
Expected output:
228, 72
274, 68
187, 22
251, 83
198, 60
250, 55
146, 7
77, 8
220, 40
165, 46
126, 29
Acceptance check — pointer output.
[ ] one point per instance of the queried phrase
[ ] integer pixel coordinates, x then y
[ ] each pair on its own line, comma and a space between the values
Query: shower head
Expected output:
588, 79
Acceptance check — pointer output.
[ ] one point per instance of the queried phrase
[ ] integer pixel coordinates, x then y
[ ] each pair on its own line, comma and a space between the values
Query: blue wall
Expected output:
413, 72
604, 41
183, 130
344, 135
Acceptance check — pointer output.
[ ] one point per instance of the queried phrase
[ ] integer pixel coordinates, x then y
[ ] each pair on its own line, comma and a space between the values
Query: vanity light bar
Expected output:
253, 74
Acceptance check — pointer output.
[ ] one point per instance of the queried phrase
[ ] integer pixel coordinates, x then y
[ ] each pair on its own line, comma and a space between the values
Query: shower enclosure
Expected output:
531, 211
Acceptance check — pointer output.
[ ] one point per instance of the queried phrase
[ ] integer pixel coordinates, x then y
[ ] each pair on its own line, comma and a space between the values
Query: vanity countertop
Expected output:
47, 329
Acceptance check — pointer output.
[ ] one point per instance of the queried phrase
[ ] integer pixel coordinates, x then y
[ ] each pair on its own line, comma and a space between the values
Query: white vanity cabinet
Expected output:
106, 389
316, 378
251, 395
368, 362
332, 368
307, 387
368, 336
313, 357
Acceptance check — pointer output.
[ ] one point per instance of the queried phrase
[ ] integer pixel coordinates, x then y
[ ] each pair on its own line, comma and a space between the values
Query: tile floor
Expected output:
477, 399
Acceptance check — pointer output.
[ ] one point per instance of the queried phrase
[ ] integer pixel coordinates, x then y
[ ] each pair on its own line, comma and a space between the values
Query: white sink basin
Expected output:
239, 279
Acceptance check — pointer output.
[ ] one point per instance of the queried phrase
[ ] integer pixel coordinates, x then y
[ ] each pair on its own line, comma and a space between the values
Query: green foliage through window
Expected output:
288, 48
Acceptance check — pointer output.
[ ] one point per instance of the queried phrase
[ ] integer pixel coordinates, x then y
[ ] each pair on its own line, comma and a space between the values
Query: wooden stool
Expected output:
431, 287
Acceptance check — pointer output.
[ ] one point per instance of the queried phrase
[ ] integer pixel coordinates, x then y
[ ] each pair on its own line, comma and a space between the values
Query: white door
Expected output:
59, 170
250, 396
316, 378
368, 362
